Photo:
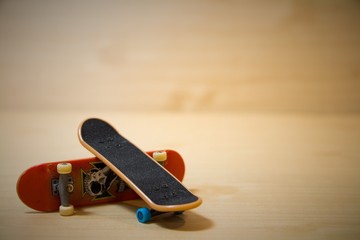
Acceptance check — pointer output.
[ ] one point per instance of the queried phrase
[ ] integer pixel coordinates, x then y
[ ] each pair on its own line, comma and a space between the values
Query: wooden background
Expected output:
262, 99
181, 55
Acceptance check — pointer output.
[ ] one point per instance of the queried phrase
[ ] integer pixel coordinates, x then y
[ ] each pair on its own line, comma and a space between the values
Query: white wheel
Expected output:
64, 168
66, 210
160, 156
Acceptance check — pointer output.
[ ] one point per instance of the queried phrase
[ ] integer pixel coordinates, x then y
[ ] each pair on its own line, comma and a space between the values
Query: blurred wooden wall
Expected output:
283, 56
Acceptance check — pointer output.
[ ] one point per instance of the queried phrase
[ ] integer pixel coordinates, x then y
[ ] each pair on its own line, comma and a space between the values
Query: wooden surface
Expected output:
262, 98
261, 176
200, 55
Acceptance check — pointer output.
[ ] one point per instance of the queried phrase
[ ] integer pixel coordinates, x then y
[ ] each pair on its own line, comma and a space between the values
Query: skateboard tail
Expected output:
34, 186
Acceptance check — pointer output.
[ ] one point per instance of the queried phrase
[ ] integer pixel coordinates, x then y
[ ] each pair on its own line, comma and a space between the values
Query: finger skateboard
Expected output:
83, 182
155, 185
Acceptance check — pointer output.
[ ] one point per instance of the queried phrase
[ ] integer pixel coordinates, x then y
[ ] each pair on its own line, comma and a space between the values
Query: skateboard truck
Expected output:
144, 214
65, 187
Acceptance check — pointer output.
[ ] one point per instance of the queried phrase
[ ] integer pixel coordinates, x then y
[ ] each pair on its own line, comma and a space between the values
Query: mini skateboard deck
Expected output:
155, 185
90, 182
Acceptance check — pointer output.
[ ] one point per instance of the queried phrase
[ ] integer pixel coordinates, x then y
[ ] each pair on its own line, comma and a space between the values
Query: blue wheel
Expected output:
143, 215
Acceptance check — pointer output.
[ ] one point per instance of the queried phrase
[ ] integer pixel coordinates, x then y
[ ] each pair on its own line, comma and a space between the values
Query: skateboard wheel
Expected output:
143, 215
160, 156
66, 210
64, 168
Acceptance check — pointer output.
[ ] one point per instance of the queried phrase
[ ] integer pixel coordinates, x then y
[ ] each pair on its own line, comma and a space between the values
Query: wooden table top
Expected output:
261, 176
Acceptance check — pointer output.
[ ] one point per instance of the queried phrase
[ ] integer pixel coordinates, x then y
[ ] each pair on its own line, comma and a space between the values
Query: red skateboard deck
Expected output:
93, 183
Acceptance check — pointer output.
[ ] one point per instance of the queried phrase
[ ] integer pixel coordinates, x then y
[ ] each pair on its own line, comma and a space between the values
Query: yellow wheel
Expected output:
66, 210
160, 156
64, 168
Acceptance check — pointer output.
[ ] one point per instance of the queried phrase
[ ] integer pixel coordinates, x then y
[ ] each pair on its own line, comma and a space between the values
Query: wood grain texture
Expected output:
261, 176
293, 56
